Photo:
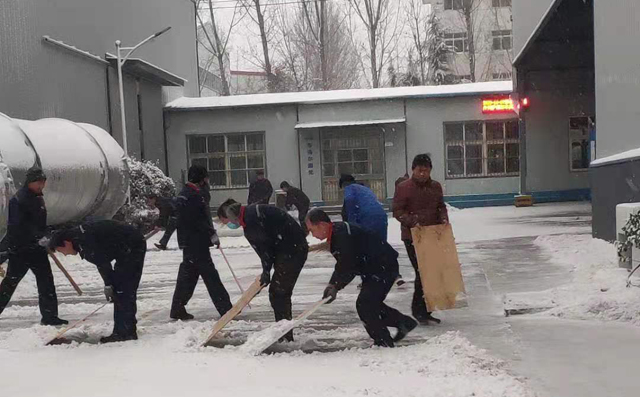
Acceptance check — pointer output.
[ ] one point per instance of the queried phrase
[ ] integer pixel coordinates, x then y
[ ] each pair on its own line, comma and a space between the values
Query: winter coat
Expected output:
167, 208
195, 227
361, 207
27, 222
297, 197
419, 204
102, 242
359, 252
260, 192
272, 233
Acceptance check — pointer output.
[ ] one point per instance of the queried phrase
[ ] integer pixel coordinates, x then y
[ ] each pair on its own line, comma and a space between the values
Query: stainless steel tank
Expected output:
86, 170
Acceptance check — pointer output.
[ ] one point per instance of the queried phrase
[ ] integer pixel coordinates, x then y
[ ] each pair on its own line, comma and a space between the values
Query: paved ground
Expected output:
560, 358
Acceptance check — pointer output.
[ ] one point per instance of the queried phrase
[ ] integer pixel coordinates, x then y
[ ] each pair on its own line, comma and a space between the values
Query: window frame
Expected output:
502, 35
485, 142
227, 156
572, 139
501, 3
451, 41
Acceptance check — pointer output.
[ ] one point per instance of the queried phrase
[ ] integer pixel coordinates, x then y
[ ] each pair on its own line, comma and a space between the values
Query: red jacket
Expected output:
419, 204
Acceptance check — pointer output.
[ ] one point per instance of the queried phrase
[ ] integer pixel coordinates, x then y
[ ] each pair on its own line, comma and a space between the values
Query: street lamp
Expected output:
121, 61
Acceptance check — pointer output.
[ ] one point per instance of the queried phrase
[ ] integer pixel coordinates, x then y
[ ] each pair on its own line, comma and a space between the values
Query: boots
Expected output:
184, 316
404, 328
118, 338
55, 321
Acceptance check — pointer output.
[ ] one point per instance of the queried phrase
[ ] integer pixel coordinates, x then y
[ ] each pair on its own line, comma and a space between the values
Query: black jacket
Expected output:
272, 233
195, 227
297, 197
359, 252
260, 192
27, 222
167, 208
102, 242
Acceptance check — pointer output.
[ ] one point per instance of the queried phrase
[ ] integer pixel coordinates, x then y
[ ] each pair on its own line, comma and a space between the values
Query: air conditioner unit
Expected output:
623, 212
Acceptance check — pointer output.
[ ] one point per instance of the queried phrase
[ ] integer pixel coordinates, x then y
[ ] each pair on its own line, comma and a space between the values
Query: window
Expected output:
501, 3
457, 41
230, 158
579, 142
481, 149
502, 75
502, 39
455, 4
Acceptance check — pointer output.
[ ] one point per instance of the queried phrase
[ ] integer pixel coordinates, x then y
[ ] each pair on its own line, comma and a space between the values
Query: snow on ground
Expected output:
598, 286
330, 357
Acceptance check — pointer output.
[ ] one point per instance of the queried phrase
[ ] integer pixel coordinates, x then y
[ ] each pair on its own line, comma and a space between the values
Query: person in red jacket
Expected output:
419, 201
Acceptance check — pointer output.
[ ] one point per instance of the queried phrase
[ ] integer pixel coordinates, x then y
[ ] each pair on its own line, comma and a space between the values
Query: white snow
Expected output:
633, 154
167, 360
320, 124
337, 96
598, 287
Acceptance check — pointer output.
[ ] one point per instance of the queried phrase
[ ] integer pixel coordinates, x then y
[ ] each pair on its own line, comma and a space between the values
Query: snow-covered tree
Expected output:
438, 54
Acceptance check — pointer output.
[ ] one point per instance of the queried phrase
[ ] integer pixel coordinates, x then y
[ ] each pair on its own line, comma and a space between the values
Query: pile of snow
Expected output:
598, 289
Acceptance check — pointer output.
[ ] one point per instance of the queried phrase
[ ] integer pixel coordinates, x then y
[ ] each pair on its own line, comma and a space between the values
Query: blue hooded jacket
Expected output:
361, 207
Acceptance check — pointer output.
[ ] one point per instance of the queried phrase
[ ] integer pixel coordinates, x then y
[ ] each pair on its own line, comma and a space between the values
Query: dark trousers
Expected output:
172, 224
374, 313
38, 262
418, 306
287, 268
197, 263
127, 273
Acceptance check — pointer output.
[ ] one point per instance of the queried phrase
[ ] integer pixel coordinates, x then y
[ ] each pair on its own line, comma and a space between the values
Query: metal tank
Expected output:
87, 174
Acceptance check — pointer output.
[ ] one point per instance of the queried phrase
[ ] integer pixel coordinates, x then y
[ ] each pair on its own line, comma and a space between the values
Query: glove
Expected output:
109, 293
331, 291
265, 278
215, 240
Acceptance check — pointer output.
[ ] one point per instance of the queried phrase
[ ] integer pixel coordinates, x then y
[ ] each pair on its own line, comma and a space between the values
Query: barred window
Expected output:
459, 42
482, 149
579, 142
230, 158
456, 4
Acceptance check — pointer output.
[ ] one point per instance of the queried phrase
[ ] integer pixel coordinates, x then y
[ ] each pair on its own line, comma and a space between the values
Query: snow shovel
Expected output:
151, 234
233, 273
64, 271
57, 341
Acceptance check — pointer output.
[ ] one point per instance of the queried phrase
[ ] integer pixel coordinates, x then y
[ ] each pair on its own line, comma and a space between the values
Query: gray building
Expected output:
577, 62
486, 23
56, 63
309, 139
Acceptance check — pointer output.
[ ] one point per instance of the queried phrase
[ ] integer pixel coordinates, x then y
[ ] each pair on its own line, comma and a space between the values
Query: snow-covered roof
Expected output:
633, 154
316, 97
543, 21
320, 124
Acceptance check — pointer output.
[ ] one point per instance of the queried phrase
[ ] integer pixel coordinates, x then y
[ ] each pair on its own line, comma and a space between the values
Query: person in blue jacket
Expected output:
361, 207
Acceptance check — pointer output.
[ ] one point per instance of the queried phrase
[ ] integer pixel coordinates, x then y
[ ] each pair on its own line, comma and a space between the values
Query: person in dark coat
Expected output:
297, 197
279, 242
360, 252
196, 235
361, 207
260, 190
419, 201
26, 226
101, 243
168, 219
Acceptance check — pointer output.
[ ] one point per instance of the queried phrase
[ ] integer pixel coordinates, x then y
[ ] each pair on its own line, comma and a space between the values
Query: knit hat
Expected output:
35, 174
346, 179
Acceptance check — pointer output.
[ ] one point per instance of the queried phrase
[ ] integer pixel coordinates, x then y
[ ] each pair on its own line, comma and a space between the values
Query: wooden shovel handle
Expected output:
64, 271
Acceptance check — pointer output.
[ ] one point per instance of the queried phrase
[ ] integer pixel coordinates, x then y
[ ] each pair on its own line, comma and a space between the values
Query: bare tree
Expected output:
382, 24
315, 47
214, 40
418, 20
258, 13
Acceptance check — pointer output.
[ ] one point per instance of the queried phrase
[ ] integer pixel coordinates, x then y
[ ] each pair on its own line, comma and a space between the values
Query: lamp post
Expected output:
120, 62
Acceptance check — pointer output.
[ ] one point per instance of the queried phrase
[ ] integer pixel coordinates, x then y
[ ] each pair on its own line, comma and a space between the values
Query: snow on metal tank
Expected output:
86, 172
